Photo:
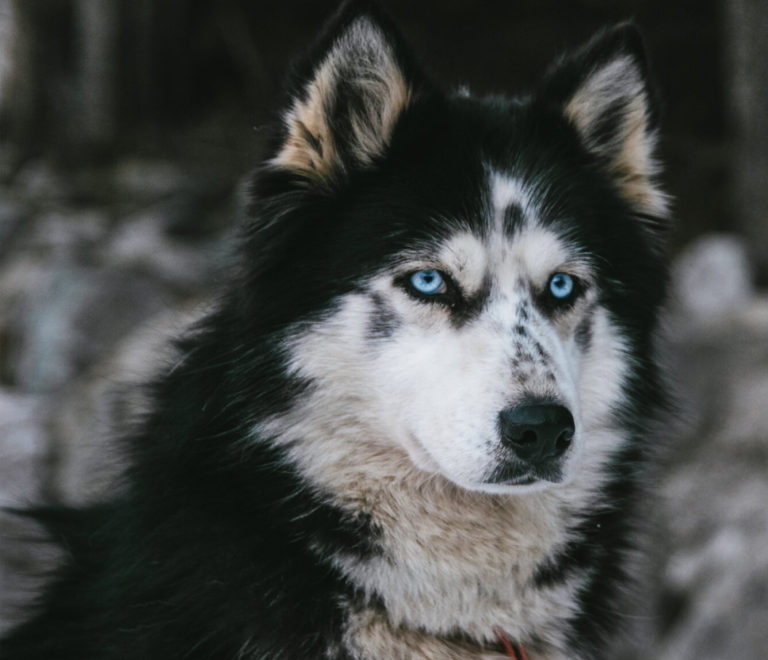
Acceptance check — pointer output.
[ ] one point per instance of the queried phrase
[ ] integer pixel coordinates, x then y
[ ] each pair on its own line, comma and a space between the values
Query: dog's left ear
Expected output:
346, 98
604, 91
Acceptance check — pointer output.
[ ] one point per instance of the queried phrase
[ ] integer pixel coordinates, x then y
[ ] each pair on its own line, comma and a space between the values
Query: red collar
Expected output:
514, 651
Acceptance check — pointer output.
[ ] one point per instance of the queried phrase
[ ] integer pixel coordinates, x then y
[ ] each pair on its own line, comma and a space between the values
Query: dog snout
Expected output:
537, 432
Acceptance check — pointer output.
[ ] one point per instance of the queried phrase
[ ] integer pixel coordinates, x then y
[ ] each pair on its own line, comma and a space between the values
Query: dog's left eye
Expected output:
561, 286
428, 282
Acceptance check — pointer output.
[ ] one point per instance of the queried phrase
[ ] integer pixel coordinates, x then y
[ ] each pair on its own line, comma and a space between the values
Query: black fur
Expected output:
214, 545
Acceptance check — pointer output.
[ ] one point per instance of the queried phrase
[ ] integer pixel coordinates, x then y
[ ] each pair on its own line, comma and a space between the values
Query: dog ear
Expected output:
346, 98
604, 91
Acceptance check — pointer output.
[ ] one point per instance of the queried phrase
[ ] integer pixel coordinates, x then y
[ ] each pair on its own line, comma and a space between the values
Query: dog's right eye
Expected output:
430, 285
428, 282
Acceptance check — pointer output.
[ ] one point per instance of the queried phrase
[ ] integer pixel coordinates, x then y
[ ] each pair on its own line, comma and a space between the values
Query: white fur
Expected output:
506, 191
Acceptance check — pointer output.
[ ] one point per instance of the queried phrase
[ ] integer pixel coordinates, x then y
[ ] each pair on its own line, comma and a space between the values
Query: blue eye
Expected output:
428, 282
561, 286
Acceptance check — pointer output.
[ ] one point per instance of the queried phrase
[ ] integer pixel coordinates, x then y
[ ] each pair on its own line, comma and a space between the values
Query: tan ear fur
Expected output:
617, 87
361, 72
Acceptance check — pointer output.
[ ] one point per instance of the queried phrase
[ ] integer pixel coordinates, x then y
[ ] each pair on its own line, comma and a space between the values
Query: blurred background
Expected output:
126, 128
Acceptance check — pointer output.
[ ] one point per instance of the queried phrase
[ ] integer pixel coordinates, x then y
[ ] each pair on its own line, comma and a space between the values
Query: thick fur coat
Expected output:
414, 425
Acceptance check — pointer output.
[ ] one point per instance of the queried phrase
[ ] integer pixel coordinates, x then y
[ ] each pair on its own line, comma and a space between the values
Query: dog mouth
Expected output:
513, 473
526, 480
507, 470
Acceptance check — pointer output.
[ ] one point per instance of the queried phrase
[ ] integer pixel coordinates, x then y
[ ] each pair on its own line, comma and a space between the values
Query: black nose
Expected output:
537, 431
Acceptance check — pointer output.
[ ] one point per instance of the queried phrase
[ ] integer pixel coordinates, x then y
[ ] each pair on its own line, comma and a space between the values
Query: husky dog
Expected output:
414, 425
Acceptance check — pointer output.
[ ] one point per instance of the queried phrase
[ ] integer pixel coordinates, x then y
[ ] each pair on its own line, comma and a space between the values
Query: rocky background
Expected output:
124, 142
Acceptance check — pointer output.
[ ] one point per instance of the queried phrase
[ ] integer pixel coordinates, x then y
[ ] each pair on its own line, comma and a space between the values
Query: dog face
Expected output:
476, 351
461, 268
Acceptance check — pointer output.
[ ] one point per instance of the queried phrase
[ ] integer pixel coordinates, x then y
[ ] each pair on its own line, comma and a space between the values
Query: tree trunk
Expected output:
747, 51
96, 29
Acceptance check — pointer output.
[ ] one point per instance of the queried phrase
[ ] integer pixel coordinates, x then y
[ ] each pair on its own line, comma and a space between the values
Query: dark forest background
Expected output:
91, 79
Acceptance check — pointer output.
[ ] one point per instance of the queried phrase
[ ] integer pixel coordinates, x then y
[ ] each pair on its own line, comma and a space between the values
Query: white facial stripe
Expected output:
466, 258
505, 192
538, 253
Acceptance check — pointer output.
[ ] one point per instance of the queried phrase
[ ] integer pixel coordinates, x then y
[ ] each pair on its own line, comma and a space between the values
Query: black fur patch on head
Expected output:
513, 219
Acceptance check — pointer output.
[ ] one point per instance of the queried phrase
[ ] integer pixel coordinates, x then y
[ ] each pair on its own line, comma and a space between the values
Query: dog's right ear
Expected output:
345, 99
604, 92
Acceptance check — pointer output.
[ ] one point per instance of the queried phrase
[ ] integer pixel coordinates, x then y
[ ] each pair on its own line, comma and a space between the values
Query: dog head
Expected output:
468, 282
